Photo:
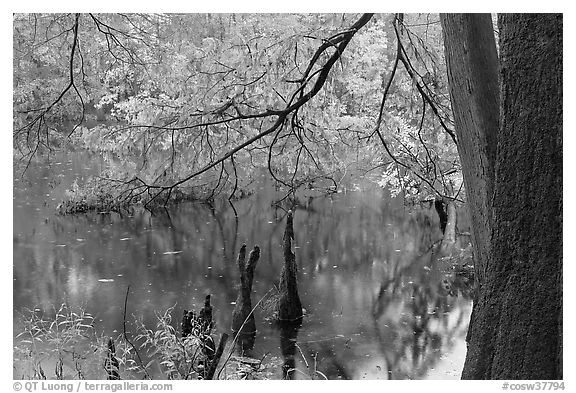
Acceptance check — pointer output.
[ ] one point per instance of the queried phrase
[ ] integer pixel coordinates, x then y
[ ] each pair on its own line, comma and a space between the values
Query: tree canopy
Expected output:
194, 105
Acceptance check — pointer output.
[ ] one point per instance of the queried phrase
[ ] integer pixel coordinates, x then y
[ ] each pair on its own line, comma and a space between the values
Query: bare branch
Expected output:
408, 67
39, 120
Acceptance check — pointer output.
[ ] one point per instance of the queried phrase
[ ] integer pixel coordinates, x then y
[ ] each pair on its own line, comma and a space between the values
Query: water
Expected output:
376, 307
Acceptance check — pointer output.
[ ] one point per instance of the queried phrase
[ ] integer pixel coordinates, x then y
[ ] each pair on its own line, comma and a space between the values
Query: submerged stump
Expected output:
289, 305
198, 324
243, 322
187, 318
205, 316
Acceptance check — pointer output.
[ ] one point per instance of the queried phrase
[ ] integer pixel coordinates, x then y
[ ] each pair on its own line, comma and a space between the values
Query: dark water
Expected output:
376, 307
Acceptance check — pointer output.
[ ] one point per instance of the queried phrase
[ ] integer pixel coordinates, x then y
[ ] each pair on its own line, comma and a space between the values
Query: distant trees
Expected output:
510, 143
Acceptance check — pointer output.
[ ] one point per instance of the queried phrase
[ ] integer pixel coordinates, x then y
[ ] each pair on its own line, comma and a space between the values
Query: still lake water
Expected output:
376, 307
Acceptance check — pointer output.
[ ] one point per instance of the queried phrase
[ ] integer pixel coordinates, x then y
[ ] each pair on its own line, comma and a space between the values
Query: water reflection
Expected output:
368, 277
288, 337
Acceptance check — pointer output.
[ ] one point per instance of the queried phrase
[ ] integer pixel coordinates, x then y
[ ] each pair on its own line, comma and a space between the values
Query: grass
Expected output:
64, 344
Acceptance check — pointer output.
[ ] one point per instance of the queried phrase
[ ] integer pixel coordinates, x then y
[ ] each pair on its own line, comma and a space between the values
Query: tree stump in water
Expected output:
289, 305
200, 324
205, 316
243, 321
187, 320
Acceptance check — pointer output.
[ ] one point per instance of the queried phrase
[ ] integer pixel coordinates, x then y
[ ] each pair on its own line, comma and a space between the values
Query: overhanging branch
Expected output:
342, 42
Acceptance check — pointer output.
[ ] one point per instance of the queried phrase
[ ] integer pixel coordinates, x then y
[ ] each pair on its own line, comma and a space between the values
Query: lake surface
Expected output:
372, 289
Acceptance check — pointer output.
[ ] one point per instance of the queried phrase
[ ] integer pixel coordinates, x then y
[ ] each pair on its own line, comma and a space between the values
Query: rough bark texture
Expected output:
472, 63
517, 329
205, 316
289, 305
242, 316
200, 324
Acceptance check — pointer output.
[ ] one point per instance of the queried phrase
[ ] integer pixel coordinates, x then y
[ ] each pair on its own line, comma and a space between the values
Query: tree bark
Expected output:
516, 332
289, 305
472, 64
449, 239
242, 317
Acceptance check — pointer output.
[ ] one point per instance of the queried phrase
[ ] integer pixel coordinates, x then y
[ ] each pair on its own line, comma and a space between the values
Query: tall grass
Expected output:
64, 344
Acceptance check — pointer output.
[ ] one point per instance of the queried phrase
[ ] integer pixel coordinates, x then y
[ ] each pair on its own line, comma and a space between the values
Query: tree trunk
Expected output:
518, 326
449, 239
472, 64
514, 190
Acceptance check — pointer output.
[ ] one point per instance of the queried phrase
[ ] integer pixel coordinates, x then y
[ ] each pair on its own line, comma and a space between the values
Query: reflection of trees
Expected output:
415, 326
318, 360
327, 360
412, 314
424, 331
288, 338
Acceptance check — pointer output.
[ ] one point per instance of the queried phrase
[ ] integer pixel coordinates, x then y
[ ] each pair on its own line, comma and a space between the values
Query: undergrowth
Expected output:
64, 344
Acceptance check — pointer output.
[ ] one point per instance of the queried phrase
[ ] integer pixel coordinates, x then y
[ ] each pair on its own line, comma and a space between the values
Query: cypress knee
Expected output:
289, 305
242, 316
187, 318
205, 316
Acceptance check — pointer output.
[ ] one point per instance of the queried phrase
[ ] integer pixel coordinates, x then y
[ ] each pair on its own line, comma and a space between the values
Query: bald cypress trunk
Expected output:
472, 64
449, 239
516, 327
